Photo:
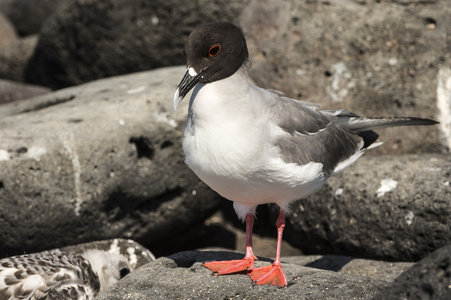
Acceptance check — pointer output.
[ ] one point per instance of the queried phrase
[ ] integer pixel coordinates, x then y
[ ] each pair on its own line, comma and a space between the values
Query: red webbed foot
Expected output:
230, 266
272, 275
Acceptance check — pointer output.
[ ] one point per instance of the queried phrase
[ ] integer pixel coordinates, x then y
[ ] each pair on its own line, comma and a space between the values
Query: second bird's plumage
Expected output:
59, 275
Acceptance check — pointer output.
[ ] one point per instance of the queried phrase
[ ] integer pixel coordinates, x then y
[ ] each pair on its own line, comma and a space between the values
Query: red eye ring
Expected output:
214, 50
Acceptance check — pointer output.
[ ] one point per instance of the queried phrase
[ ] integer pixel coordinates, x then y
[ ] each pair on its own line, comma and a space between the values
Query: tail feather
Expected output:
360, 124
364, 126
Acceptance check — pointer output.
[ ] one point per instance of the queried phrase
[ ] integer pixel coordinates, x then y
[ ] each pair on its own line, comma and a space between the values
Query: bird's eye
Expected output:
123, 272
214, 50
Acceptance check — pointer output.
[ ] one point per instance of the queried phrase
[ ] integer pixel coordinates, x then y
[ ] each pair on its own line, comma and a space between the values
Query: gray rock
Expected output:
394, 208
97, 161
14, 58
428, 279
28, 16
357, 267
12, 91
7, 33
375, 58
101, 38
182, 276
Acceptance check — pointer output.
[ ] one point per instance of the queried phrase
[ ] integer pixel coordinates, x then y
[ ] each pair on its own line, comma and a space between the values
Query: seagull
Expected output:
58, 275
255, 146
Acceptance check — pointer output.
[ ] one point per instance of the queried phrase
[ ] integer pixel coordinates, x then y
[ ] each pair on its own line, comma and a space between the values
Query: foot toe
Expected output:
271, 275
229, 266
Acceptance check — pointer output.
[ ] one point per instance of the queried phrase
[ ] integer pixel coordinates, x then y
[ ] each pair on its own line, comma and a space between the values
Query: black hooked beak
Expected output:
187, 83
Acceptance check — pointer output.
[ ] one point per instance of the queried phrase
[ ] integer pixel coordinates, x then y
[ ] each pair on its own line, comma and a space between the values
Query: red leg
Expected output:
240, 265
273, 273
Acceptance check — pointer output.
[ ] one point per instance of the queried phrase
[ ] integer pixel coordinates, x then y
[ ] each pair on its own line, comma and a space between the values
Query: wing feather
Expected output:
34, 276
311, 136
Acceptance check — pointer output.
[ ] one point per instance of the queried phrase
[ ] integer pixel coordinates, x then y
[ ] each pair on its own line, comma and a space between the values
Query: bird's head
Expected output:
213, 51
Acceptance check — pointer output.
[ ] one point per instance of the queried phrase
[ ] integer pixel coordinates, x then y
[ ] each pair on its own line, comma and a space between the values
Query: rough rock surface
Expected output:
101, 38
375, 58
428, 279
14, 58
12, 91
375, 269
97, 161
28, 16
182, 276
393, 208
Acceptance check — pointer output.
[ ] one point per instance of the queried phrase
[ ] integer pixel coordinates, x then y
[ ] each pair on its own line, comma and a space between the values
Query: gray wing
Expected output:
327, 136
313, 136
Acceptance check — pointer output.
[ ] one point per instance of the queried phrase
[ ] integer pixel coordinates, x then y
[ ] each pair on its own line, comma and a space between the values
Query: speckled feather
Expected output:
58, 275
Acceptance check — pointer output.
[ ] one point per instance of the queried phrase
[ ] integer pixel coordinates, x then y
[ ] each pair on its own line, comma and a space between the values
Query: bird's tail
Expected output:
365, 126
356, 123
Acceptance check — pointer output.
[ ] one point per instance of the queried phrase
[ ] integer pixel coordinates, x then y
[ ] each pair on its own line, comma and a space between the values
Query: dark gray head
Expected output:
214, 51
